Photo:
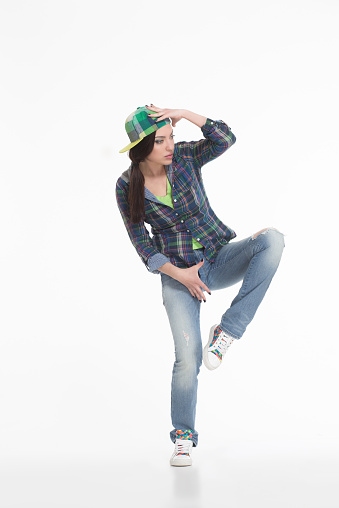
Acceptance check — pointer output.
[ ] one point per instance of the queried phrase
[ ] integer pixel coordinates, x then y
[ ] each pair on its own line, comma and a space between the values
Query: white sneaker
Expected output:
216, 347
182, 453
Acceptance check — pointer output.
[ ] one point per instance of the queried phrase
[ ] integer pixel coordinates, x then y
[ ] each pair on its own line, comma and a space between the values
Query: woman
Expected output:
190, 248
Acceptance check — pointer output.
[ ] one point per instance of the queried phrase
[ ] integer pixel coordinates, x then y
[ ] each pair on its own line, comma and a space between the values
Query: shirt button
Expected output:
188, 231
176, 214
174, 200
182, 221
198, 239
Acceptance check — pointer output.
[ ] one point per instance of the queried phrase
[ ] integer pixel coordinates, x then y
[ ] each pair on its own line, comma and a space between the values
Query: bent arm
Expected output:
218, 135
139, 234
218, 138
198, 120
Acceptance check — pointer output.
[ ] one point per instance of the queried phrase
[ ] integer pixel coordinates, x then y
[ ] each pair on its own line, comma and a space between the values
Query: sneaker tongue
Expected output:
183, 443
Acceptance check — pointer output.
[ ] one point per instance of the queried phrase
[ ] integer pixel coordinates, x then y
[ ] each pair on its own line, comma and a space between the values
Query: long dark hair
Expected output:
136, 193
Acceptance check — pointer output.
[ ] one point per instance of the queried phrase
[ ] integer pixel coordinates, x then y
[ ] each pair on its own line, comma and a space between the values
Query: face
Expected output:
163, 146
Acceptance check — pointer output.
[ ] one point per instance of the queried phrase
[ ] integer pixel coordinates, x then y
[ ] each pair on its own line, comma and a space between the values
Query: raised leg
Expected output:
253, 260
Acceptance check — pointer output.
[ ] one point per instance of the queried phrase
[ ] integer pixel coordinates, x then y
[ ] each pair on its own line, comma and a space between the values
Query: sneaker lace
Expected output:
223, 342
182, 446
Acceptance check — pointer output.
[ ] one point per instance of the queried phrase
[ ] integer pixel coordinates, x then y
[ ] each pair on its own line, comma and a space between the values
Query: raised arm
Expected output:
217, 134
176, 114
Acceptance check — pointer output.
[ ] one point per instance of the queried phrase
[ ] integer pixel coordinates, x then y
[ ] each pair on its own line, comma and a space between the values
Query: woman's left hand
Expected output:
161, 113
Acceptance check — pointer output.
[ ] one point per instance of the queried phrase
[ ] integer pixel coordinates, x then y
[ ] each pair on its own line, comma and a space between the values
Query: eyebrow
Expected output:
162, 136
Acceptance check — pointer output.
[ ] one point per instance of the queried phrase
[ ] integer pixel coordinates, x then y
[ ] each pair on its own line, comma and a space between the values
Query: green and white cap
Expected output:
138, 125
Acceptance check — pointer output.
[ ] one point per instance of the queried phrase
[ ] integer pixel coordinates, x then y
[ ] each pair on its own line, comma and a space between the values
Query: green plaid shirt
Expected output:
172, 229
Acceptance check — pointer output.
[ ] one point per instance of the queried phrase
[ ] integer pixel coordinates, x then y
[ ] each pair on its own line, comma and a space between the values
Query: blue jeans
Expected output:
252, 260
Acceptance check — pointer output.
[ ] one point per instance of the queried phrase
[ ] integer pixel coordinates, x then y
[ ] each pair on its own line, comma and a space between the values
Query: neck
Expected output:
152, 170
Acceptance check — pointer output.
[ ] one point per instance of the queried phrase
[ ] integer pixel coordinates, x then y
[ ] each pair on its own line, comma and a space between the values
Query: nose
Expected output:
169, 145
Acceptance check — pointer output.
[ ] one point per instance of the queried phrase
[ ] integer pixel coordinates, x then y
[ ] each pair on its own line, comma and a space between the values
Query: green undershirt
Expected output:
168, 200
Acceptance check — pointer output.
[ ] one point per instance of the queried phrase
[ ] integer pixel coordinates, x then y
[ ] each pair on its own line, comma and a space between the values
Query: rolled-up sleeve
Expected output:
138, 233
218, 138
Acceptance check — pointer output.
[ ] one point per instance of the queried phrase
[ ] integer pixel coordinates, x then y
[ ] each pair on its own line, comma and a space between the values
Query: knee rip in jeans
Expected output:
187, 338
262, 232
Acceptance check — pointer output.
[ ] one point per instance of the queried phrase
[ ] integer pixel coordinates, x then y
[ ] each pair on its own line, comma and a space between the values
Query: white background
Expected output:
86, 350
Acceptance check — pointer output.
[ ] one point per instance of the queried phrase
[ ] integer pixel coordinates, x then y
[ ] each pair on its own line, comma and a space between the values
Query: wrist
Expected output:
171, 270
184, 114
198, 120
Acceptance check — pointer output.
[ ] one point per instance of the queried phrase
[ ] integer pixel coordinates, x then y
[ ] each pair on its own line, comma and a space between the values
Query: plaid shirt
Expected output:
172, 229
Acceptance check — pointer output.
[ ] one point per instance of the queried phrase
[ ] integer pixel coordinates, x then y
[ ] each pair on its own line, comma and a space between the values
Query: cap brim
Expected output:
130, 146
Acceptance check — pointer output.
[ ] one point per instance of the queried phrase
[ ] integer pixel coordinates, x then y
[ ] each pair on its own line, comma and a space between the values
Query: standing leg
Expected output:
183, 311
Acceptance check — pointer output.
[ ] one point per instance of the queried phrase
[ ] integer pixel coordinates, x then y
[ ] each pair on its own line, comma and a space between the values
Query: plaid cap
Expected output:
138, 125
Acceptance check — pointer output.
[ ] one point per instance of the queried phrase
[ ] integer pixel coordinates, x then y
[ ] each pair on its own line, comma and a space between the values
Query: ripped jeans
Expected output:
252, 260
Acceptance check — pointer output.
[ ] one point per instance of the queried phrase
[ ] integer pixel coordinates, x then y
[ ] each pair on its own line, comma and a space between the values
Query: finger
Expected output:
152, 107
198, 293
202, 294
154, 114
201, 283
162, 118
163, 112
153, 111
205, 288
195, 293
201, 297
192, 293
197, 267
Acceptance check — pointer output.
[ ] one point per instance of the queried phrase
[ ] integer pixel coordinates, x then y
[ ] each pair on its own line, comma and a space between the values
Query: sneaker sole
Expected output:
205, 351
181, 462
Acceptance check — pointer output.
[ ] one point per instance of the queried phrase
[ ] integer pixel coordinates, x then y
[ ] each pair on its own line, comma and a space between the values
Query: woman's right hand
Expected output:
159, 114
189, 277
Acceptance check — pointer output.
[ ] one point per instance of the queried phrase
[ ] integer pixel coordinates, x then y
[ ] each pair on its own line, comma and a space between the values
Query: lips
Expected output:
169, 156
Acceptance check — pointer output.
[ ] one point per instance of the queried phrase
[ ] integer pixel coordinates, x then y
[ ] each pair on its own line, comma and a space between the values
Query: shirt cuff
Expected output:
156, 262
210, 124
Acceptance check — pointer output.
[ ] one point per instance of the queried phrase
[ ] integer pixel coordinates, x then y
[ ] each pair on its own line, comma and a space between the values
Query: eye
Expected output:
159, 141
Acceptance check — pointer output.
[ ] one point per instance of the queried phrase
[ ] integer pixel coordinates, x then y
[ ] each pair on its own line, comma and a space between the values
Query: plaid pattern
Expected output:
168, 200
138, 125
172, 228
